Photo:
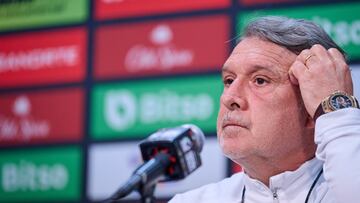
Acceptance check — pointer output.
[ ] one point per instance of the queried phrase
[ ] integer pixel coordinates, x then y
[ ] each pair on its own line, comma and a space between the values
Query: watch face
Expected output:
340, 101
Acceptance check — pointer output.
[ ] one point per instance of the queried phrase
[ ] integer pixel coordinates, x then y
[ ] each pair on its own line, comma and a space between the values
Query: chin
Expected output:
232, 149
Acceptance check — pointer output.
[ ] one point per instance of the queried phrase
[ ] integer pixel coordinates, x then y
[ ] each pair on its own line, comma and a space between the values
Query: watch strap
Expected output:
319, 111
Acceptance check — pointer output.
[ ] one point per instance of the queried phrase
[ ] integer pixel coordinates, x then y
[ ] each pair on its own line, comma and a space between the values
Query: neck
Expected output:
262, 168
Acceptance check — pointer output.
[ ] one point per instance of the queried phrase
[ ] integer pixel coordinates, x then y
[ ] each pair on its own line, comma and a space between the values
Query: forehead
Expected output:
260, 53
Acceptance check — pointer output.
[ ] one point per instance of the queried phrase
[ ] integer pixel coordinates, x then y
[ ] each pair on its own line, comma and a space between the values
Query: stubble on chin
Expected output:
230, 149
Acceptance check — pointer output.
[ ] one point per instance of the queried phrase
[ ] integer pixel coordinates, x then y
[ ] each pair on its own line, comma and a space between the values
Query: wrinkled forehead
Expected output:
257, 52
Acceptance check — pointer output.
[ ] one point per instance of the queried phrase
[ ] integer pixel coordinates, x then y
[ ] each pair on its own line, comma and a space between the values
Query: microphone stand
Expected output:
144, 179
147, 193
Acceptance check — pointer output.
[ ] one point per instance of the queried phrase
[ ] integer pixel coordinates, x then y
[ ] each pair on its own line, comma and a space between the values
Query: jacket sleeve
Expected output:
337, 135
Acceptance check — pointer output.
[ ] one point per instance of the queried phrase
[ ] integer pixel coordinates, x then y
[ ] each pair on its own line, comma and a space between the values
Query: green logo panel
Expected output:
341, 21
37, 13
136, 109
40, 175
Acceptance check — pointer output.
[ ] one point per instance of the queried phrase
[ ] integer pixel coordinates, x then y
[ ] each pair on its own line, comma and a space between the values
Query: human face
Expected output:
261, 113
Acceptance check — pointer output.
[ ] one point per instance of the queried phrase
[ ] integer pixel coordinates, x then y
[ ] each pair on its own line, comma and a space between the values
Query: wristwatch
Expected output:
337, 100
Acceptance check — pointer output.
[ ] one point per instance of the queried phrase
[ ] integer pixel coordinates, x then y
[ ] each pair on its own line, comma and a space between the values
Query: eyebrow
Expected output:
253, 69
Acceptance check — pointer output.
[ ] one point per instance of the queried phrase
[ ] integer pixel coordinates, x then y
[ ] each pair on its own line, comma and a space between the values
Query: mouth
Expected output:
234, 121
233, 124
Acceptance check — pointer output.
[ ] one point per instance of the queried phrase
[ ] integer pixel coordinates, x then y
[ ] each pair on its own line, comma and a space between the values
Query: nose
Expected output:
233, 102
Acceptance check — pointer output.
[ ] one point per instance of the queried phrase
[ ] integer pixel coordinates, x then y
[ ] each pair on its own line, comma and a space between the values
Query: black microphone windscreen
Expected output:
198, 136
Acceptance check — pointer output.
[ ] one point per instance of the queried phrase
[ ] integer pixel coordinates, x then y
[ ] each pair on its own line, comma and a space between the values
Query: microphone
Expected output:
169, 154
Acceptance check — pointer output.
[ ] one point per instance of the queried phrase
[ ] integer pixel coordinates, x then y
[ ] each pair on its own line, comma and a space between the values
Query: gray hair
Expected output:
293, 34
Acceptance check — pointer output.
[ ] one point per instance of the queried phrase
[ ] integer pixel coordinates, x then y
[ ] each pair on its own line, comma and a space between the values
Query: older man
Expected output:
280, 120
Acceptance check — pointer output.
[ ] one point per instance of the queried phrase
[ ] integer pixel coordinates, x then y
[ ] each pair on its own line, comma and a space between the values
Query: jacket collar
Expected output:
289, 181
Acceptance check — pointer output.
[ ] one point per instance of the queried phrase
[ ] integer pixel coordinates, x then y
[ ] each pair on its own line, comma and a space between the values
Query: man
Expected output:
279, 120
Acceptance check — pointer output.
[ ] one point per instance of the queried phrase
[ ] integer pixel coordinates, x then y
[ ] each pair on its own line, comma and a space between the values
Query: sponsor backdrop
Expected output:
83, 81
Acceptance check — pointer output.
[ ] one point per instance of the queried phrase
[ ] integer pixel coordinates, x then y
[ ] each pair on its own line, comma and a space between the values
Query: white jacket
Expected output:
337, 135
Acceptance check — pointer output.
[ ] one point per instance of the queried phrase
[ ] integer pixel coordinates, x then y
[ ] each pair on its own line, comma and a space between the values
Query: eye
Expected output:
260, 81
227, 81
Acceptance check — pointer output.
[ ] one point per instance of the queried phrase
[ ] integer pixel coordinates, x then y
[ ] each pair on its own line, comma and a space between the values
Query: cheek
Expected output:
220, 117
280, 118
273, 114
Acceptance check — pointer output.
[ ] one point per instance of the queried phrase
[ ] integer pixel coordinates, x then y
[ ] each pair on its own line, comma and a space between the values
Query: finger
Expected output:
296, 71
342, 68
320, 51
322, 55
336, 54
305, 56
338, 58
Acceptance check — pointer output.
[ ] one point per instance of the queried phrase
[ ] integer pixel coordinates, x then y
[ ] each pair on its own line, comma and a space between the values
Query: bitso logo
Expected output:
40, 175
162, 53
22, 125
123, 109
135, 109
26, 176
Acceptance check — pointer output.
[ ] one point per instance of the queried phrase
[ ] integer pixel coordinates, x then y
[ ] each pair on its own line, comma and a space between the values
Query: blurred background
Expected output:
82, 82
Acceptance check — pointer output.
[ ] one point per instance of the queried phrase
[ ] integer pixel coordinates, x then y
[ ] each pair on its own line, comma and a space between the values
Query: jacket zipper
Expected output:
275, 196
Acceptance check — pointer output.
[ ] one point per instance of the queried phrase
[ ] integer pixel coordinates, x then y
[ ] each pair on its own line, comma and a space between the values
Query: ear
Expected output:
309, 123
